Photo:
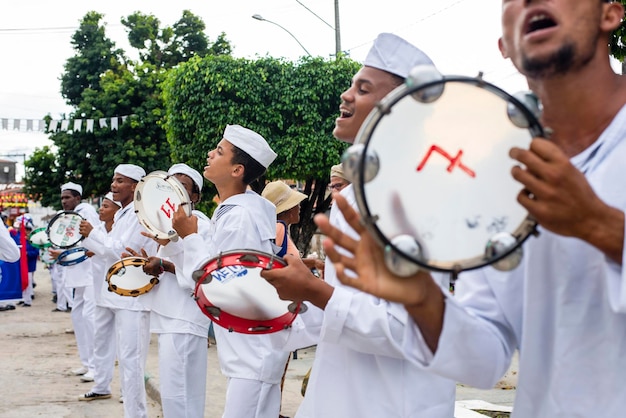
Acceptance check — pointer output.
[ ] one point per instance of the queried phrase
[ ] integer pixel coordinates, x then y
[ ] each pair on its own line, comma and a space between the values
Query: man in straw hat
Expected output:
338, 180
359, 369
243, 220
126, 318
564, 306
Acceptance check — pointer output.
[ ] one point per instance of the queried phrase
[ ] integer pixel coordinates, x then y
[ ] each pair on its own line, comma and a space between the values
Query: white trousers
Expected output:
64, 296
27, 294
131, 331
247, 398
83, 320
182, 375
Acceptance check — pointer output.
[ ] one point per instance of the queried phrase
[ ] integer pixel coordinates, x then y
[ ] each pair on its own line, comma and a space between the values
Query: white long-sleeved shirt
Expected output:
126, 232
359, 368
81, 274
173, 308
564, 308
9, 251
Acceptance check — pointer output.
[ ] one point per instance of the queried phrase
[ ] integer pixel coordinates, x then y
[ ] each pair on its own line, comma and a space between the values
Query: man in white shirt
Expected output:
122, 317
564, 306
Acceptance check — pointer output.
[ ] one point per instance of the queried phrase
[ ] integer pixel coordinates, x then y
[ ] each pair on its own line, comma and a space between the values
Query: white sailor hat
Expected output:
250, 142
395, 55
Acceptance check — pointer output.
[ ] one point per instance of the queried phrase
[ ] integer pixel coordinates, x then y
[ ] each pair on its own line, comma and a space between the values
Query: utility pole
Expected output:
337, 31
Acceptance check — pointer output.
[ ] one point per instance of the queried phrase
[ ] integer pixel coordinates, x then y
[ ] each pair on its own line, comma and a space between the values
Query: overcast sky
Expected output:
459, 35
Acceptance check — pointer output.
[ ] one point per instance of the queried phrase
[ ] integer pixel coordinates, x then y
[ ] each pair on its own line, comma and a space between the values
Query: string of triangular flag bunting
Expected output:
39, 125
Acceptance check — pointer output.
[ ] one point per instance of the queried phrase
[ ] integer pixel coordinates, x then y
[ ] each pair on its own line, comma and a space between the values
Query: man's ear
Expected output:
502, 48
238, 170
613, 16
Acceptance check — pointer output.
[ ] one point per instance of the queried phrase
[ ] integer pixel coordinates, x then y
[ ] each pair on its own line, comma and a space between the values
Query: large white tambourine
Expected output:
432, 174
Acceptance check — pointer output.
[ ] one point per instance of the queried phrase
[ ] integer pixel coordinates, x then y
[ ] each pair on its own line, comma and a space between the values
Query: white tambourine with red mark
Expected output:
432, 173
157, 196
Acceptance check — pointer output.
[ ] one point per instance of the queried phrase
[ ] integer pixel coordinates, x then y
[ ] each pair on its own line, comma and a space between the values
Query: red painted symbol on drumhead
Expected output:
454, 161
168, 208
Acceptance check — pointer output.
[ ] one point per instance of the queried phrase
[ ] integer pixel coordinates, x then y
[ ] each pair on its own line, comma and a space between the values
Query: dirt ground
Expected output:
37, 355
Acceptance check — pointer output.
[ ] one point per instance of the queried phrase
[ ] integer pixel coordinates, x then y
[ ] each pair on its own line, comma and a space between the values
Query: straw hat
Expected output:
282, 196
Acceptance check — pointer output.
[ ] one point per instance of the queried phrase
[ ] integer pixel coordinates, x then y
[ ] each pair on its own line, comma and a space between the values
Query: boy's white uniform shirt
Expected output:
172, 301
244, 221
564, 308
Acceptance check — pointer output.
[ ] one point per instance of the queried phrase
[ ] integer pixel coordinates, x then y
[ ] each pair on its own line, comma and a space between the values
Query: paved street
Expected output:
36, 356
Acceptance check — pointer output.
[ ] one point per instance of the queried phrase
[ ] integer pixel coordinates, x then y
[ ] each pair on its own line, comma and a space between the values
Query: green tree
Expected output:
121, 88
293, 105
95, 54
45, 177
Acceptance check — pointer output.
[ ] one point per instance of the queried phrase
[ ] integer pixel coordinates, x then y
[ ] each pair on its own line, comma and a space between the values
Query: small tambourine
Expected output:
46, 257
432, 173
127, 278
231, 291
63, 229
73, 256
39, 238
157, 196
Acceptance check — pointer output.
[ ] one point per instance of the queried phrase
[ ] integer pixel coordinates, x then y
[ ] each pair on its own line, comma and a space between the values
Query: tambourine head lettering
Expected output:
431, 172
63, 229
233, 294
127, 278
157, 197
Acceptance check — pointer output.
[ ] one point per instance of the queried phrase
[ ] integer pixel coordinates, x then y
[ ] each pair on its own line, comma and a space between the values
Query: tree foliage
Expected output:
293, 105
116, 86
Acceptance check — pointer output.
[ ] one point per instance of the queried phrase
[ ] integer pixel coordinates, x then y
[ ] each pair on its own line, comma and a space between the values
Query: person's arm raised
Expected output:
421, 296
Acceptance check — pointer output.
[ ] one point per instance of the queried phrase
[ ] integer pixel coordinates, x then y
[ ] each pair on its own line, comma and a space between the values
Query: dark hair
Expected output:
252, 168
74, 192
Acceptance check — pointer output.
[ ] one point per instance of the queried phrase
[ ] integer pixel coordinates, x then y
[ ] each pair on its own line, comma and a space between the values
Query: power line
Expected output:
435, 13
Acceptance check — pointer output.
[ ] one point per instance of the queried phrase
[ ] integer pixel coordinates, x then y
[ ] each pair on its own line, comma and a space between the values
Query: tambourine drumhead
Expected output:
72, 256
46, 257
39, 238
441, 172
127, 278
63, 229
157, 196
233, 294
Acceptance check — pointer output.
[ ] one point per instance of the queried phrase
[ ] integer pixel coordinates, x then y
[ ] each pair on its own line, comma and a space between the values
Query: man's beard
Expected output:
557, 63
566, 59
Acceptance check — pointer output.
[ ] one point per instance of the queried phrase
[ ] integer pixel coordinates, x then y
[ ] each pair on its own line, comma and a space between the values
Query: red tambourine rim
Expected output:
235, 323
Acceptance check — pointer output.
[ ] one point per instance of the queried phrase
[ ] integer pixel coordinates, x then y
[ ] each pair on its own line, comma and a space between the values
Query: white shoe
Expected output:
80, 371
121, 399
87, 377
